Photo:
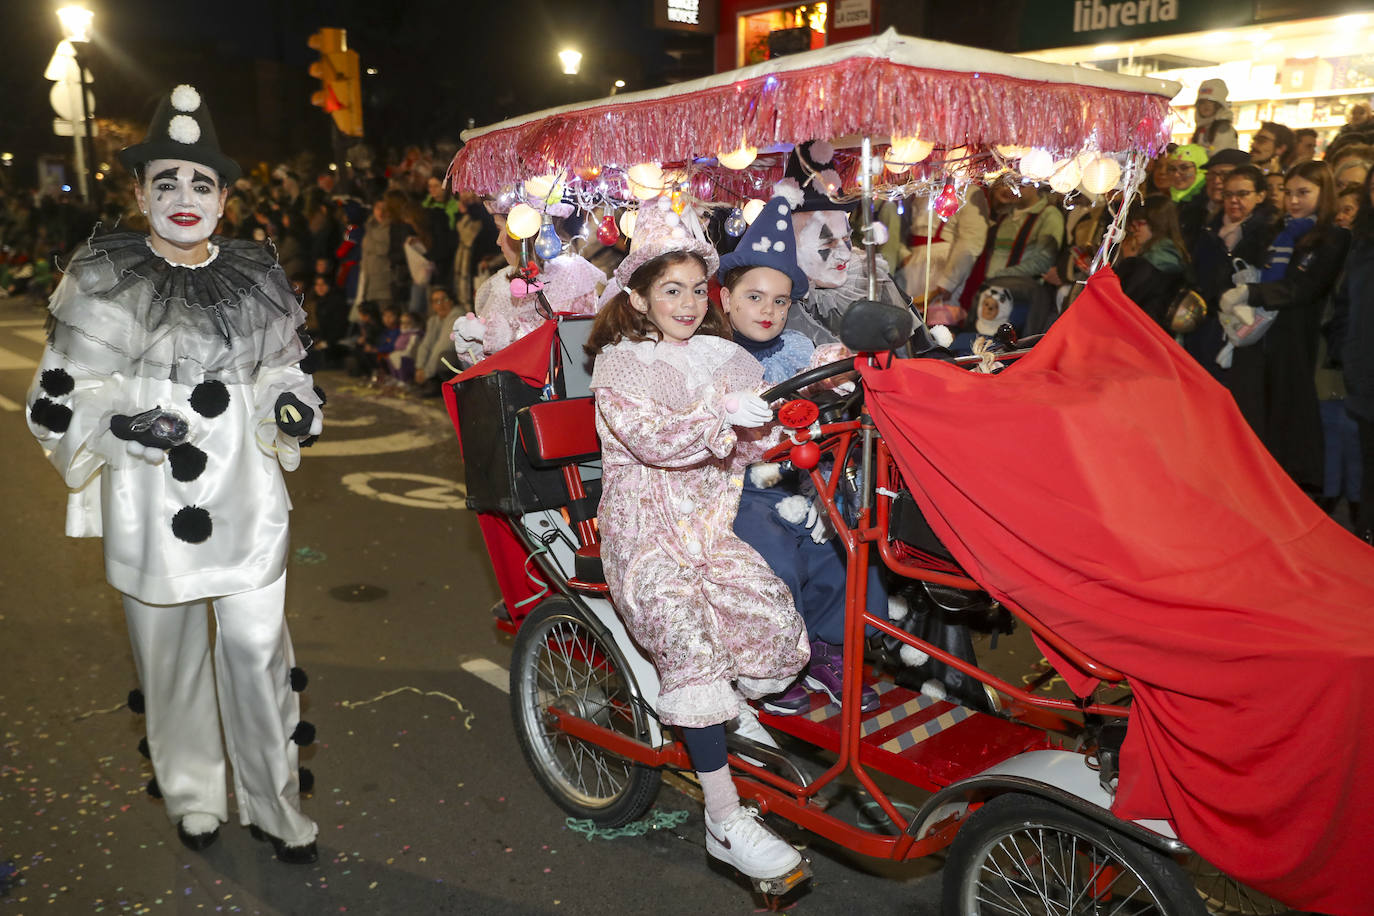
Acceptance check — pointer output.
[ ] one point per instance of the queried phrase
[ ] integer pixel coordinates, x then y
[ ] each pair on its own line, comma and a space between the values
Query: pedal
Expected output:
783, 885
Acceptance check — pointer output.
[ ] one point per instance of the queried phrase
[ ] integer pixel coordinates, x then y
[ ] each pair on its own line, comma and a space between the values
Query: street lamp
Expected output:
571, 59
76, 28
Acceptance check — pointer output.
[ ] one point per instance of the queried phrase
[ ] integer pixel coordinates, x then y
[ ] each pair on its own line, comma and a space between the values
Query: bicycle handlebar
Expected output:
798, 382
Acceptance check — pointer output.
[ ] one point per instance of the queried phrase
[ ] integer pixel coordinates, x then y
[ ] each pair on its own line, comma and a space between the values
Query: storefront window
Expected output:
764, 34
1302, 74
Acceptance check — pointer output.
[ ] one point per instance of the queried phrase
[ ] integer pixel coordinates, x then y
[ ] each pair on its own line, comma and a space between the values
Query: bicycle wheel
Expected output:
1223, 895
1021, 854
563, 661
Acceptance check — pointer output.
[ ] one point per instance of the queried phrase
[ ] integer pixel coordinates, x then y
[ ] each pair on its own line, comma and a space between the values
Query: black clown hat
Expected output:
812, 166
181, 129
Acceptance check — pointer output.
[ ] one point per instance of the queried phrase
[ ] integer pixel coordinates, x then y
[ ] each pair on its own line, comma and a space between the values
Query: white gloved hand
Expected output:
818, 522
1237, 295
745, 409
1245, 313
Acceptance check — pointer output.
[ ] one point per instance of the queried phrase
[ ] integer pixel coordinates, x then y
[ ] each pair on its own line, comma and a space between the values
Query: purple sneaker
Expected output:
793, 701
826, 672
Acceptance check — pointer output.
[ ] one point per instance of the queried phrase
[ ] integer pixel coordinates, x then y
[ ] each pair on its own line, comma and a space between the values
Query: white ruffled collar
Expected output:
214, 253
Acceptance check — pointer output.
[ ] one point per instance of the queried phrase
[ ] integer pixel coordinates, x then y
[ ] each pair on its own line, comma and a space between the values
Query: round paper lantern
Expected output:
752, 208
906, 152
523, 221
1037, 165
1101, 175
545, 187
1066, 175
1012, 152
738, 159
627, 223
646, 180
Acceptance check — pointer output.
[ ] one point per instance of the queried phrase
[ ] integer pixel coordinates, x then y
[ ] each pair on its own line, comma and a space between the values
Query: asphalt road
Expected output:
424, 802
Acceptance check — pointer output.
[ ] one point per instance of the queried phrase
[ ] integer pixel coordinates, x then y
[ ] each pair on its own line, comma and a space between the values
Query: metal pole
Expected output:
84, 141
78, 149
870, 249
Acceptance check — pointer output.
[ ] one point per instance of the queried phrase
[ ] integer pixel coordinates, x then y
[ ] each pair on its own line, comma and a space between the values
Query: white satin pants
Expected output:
258, 709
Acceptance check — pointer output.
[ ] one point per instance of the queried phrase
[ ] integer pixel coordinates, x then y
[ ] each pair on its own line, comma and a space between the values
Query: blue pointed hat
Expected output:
770, 241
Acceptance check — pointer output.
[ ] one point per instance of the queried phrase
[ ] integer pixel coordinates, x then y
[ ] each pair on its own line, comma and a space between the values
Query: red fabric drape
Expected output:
528, 358
1109, 486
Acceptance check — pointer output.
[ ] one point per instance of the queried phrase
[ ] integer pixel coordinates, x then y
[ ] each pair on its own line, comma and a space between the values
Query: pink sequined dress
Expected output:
702, 602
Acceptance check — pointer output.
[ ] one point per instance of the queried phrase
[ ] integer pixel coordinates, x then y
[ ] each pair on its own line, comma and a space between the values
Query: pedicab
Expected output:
1095, 488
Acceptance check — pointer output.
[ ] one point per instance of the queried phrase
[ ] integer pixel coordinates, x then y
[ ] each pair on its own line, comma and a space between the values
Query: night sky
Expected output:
440, 63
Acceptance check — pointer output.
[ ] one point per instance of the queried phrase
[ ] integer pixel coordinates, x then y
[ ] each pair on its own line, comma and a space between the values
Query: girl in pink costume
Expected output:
680, 420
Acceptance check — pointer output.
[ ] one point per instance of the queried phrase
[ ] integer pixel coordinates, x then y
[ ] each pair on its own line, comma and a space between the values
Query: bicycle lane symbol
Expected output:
391, 487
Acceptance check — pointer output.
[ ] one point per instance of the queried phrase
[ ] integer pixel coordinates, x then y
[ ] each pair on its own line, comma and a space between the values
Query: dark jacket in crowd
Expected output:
1354, 324
1273, 381
1213, 266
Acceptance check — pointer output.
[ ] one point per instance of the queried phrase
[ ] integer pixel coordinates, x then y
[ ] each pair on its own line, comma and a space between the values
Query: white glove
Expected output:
1237, 295
745, 409
1245, 313
147, 453
819, 523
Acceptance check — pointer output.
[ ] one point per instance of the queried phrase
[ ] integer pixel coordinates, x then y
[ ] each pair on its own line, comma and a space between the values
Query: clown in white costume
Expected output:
825, 250
170, 398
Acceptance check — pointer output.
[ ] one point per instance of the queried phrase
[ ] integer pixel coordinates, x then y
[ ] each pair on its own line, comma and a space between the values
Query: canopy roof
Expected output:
880, 86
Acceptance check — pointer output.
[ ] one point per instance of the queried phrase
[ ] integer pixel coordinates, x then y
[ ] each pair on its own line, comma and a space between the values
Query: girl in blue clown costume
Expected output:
777, 515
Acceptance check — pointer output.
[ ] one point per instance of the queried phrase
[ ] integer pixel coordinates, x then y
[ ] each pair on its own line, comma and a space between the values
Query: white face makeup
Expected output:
823, 246
757, 306
183, 201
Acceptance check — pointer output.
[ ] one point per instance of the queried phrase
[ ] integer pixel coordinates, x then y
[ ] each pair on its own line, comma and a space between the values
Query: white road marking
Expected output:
12, 360
7, 404
490, 672
438, 494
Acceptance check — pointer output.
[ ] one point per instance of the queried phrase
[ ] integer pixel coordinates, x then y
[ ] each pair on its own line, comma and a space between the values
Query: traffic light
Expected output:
340, 93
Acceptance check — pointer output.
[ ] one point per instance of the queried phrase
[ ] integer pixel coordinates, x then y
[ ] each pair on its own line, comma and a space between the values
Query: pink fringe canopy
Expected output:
854, 96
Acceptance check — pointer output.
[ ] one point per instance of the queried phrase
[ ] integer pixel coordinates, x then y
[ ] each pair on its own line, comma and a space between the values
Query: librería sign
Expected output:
1094, 15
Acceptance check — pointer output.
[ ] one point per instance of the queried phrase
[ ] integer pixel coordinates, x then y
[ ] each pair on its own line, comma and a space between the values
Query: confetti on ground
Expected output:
468, 715
308, 556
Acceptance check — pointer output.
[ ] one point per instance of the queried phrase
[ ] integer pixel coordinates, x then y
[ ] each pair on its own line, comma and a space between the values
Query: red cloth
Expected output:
528, 358
1109, 486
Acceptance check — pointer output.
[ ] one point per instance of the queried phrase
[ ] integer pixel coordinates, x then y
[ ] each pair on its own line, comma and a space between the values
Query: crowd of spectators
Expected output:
1276, 240
380, 256
385, 259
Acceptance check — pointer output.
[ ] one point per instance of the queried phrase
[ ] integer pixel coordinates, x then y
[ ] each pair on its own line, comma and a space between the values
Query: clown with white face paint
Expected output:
183, 202
170, 398
837, 271
824, 247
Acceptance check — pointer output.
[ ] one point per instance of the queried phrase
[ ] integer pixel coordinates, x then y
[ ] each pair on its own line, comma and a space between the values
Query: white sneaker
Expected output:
746, 842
